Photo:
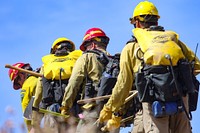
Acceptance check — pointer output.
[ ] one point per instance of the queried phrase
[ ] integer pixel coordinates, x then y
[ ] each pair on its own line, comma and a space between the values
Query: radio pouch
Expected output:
193, 97
161, 109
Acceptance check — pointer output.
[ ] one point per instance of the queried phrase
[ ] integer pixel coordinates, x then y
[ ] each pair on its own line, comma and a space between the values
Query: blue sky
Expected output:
29, 27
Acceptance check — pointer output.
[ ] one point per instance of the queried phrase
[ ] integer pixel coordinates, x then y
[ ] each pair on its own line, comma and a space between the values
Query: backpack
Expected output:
55, 67
108, 78
154, 81
166, 75
109, 74
156, 44
57, 71
108, 81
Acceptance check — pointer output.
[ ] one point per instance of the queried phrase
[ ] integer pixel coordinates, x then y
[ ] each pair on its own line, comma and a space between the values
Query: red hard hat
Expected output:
92, 33
13, 73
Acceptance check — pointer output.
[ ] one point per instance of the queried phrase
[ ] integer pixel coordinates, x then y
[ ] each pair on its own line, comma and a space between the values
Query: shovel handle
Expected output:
24, 70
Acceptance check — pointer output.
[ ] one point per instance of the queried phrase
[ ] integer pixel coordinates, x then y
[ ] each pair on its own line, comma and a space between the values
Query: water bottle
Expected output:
162, 109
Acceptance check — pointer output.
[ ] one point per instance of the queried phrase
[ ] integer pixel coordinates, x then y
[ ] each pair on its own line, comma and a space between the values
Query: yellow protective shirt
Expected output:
129, 65
28, 90
56, 65
157, 44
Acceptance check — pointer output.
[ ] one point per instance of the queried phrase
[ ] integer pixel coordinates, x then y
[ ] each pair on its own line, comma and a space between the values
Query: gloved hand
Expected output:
105, 114
112, 124
64, 110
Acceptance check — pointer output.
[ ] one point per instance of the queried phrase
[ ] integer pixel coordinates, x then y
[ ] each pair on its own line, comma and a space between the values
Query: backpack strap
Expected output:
102, 57
133, 39
95, 51
156, 28
89, 90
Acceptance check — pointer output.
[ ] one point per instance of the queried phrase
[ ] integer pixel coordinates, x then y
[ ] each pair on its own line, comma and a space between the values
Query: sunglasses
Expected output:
67, 45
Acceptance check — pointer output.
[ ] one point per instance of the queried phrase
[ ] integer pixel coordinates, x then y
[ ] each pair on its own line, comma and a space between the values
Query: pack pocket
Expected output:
142, 85
59, 91
164, 87
106, 85
53, 90
156, 83
47, 93
186, 76
193, 97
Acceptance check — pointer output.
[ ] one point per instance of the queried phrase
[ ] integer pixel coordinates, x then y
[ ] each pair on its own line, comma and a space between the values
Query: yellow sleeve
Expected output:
86, 65
36, 117
38, 91
125, 80
29, 88
75, 81
189, 54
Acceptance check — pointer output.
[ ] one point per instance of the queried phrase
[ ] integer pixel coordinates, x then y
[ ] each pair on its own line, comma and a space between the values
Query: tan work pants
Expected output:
53, 124
178, 123
88, 125
138, 126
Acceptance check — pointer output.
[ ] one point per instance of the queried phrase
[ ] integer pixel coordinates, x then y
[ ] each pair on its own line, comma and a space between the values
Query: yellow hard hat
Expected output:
59, 40
145, 8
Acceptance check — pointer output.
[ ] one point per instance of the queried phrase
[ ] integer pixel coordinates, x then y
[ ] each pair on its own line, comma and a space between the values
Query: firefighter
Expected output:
133, 57
86, 74
27, 83
56, 70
